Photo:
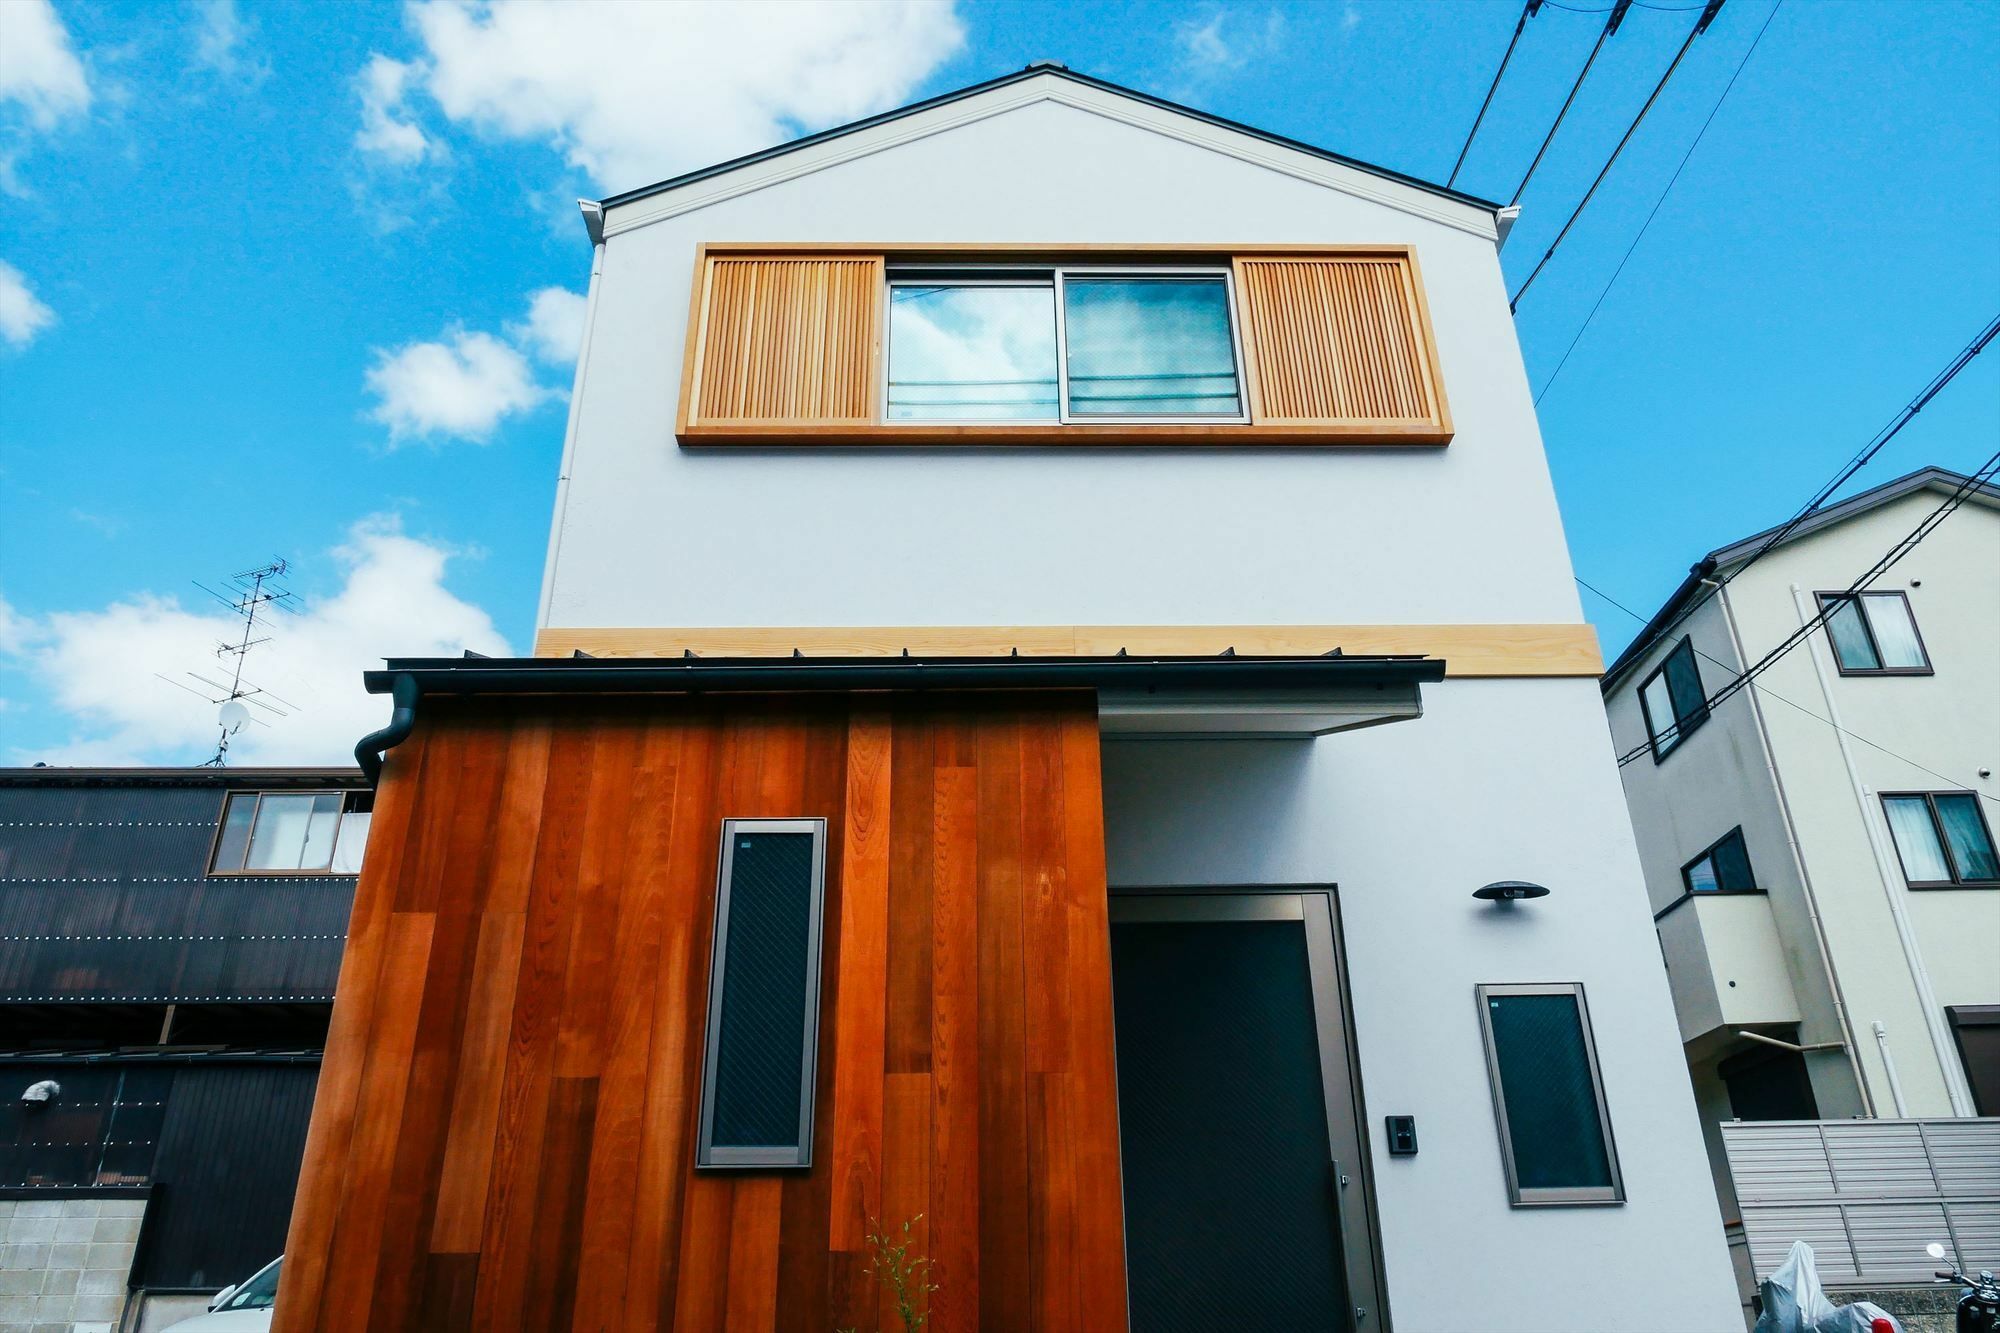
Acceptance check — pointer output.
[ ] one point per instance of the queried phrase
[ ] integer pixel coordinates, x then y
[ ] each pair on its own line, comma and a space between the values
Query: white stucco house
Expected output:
1819, 848
1307, 983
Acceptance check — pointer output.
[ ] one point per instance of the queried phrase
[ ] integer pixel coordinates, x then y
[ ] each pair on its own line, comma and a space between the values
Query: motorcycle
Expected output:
1979, 1304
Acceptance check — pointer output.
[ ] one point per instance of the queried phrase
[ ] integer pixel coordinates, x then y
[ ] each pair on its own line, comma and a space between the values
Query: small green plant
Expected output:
906, 1279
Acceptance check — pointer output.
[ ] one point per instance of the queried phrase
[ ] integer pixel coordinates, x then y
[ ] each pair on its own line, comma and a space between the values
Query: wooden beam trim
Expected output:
1469, 651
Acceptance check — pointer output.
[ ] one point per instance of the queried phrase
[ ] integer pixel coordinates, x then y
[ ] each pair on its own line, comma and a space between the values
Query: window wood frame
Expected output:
1929, 798
1688, 889
222, 821
1827, 601
691, 431
1539, 1197
709, 1156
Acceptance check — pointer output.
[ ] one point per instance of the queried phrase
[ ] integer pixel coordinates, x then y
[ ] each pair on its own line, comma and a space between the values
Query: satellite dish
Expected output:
233, 715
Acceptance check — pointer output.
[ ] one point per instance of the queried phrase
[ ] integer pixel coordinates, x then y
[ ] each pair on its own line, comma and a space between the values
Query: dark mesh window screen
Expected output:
1546, 1084
767, 978
1229, 1219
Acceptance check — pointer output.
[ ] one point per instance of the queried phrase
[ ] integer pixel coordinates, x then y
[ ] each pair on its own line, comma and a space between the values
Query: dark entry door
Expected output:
1244, 1194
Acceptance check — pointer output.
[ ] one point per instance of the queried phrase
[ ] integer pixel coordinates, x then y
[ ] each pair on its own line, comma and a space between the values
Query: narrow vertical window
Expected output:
763, 995
1941, 839
1555, 1133
1874, 634
1672, 700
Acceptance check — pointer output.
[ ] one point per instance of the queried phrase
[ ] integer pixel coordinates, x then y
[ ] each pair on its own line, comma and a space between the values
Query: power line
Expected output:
1987, 471
1527, 12
1610, 26
1875, 444
1708, 14
1766, 692
1617, 272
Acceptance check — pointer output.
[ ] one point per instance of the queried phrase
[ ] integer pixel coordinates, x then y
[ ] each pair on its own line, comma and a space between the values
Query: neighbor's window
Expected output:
1129, 345
1874, 634
1672, 700
1942, 839
763, 995
1723, 868
1555, 1134
272, 832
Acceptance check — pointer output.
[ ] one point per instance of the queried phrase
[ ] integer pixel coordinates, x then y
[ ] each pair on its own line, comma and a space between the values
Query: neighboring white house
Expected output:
1241, 509
1819, 848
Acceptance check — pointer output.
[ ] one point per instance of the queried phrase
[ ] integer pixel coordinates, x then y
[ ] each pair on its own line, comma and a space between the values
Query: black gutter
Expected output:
409, 679
368, 751
1643, 641
1017, 76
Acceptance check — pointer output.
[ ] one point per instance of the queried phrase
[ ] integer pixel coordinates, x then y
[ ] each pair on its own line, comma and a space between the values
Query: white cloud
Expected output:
1224, 43
462, 387
98, 666
22, 316
554, 328
385, 132
632, 93
37, 67
222, 43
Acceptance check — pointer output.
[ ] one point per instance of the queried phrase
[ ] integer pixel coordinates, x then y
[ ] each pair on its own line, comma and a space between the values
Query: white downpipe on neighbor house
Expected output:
1886, 866
1889, 1068
1840, 1013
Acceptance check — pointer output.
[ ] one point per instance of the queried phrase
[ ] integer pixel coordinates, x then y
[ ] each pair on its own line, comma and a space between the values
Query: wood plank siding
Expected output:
504, 1133
1468, 650
785, 345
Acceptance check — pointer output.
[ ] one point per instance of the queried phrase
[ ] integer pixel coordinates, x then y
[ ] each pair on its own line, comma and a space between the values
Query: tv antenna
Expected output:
253, 593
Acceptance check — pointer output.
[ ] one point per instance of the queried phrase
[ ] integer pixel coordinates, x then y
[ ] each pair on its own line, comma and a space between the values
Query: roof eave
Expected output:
1039, 70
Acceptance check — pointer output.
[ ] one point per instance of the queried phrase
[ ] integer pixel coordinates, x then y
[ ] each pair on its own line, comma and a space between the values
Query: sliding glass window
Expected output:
972, 348
1941, 839
1874, 634
1063, 345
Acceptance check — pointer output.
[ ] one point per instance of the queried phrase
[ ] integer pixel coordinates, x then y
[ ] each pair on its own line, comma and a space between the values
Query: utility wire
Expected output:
1766, 692
1527, 12
1984, 476
1610, 26
1708, 14
1979, 343
1617, 272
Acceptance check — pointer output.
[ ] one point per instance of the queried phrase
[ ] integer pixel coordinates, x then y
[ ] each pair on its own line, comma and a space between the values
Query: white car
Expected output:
243, 1308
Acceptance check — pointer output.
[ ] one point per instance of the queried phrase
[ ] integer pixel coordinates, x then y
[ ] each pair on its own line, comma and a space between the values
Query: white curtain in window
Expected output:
1660, 712
1895, 632
1917, 840
353, 839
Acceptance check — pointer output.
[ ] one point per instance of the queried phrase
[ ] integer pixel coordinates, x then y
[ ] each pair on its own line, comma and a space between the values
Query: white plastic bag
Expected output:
1794, 1301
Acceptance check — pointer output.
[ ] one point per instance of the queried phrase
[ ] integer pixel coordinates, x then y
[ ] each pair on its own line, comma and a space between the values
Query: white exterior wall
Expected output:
653, 534
1948, 723
1900, 727
1500, 779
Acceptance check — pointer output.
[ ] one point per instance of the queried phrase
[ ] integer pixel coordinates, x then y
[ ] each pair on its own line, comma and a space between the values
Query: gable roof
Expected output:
1041, 70
1942, 480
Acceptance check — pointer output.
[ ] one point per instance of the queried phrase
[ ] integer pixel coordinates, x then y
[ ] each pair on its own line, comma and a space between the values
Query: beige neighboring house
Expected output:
1820, 849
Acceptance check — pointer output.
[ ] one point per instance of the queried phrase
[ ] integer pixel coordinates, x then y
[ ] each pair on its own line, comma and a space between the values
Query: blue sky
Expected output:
301, 279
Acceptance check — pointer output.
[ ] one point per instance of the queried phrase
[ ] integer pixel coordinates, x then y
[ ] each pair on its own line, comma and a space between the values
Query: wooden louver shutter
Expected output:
784, 338
1340, 338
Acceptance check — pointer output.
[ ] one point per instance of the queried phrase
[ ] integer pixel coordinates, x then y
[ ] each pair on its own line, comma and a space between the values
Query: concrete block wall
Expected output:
65, 1263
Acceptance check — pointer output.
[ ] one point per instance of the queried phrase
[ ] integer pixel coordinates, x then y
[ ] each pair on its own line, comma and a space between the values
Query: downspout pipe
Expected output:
368, 751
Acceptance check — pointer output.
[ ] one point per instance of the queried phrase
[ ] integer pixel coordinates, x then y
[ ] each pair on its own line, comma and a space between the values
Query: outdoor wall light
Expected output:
1509, 890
